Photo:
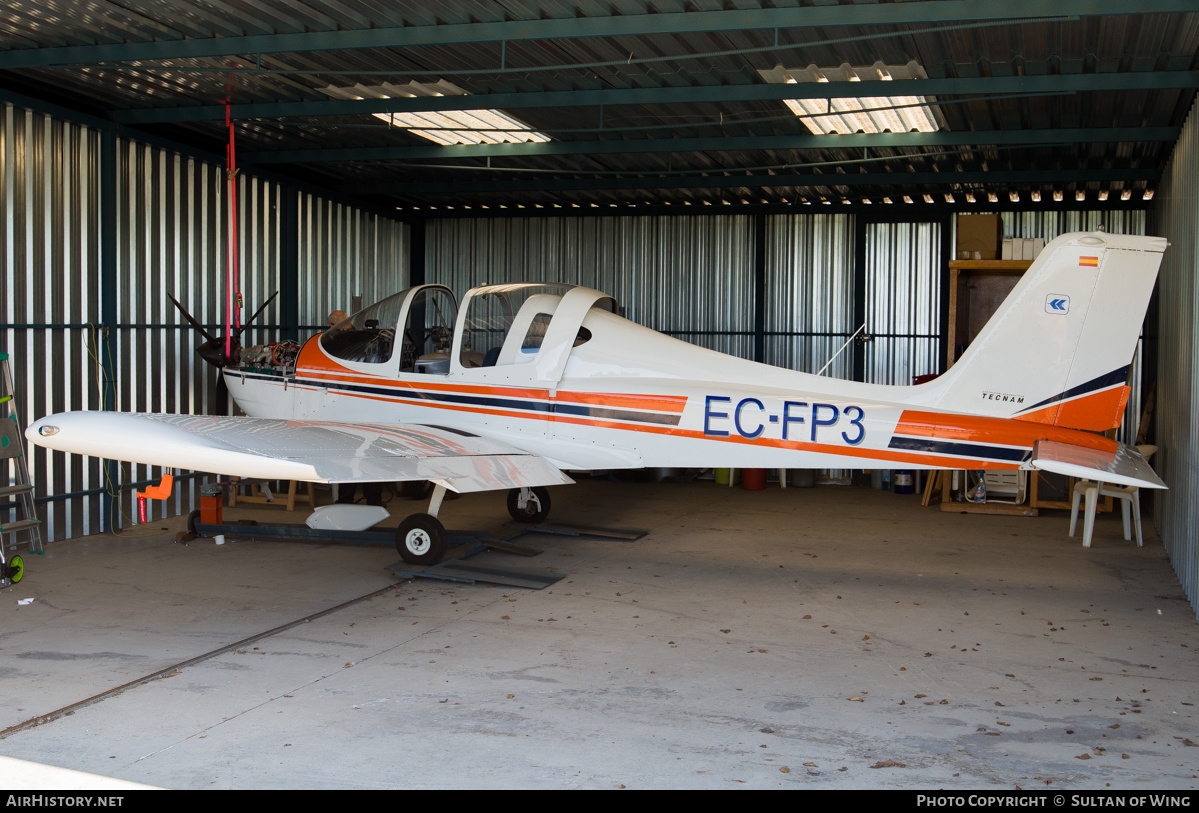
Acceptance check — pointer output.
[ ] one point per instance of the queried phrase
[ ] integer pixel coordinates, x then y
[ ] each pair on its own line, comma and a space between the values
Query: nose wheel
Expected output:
529, 504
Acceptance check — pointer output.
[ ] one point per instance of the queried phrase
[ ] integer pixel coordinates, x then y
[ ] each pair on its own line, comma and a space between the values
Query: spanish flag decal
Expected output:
1088, 262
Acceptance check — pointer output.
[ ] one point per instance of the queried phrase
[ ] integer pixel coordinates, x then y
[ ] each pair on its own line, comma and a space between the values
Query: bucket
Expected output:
753, 479
722, 476
803, 478
903, 481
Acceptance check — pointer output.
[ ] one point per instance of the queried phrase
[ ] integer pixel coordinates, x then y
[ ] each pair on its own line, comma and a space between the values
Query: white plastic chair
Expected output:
1130, 504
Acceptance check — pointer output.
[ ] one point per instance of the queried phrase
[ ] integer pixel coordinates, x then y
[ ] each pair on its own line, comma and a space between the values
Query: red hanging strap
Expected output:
232, 282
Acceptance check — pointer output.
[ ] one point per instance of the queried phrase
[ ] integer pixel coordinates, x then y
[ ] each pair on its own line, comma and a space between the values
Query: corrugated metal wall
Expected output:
346, 253
1052, 224
809, 292
903, 301
1176, 217
694, 277
50, 203
170, 215
663, 271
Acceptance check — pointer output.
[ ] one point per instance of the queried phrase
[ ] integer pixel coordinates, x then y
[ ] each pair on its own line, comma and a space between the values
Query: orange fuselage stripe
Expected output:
658, 403
1008, 432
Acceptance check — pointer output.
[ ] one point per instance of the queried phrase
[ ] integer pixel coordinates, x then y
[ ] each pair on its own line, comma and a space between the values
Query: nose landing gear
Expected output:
529, 504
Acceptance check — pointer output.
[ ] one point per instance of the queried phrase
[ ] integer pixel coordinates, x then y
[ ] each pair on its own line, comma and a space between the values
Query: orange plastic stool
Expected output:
158, 492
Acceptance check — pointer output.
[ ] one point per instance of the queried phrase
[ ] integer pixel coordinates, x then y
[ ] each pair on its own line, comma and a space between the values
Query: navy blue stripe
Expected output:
557, 408
1118, 376
445, 397
950, 447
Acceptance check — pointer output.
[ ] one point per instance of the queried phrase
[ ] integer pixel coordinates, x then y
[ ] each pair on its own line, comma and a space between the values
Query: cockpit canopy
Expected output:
501, 326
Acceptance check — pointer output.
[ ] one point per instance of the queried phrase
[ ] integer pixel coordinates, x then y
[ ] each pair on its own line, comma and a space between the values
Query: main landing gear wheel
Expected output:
536, 505
13, 571
421, 540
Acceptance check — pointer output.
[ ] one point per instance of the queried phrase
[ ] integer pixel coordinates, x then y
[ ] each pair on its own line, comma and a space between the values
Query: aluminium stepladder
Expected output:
16, 487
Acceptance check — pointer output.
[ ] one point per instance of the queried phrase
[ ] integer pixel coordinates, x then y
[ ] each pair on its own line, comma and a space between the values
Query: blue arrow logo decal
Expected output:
1057, 304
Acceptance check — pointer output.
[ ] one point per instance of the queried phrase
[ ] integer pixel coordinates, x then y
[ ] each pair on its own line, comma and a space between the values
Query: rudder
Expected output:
1058, 350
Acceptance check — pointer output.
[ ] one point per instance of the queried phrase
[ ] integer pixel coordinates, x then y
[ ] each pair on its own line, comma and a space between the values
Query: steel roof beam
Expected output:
720, 144
992, 85
930, 11
912, 182
877, 212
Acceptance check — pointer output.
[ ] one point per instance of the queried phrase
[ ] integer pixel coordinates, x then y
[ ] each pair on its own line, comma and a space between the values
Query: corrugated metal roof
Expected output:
647, 102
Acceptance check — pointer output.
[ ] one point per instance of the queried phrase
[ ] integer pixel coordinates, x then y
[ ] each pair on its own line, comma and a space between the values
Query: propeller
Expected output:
213, 349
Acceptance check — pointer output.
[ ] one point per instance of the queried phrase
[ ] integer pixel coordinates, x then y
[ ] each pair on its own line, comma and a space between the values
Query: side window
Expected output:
536, 334
428, 333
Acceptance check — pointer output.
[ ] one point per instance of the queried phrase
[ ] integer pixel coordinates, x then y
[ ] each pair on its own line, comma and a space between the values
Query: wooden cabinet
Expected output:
976, 290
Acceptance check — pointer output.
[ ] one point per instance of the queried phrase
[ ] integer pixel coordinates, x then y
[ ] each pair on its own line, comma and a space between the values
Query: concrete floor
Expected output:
835, 637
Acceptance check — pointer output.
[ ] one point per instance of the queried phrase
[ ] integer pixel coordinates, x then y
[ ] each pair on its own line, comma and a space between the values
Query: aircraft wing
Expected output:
1123, 466
311, 451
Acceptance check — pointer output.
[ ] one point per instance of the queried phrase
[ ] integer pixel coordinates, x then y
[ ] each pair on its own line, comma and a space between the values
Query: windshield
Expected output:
367, 337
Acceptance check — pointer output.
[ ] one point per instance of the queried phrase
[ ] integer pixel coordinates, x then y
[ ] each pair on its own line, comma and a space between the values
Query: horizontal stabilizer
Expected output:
1124, 466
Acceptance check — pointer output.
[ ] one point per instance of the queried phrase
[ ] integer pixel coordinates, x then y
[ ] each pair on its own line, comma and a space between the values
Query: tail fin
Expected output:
1059, 348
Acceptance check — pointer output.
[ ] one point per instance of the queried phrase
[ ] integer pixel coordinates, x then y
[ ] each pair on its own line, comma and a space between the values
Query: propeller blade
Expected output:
257, 313
189, 318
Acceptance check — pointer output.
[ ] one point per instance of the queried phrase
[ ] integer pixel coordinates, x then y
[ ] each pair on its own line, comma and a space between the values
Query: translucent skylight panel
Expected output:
448, 127
859, 114
465, 127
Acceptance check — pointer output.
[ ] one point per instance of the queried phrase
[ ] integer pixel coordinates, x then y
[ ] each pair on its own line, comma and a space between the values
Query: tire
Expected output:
421, 540
535, 510
16, 569
192, 519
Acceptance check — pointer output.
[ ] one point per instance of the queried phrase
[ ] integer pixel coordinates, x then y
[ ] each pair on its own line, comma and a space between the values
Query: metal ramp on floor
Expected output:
455, 568
589, 533
465, 544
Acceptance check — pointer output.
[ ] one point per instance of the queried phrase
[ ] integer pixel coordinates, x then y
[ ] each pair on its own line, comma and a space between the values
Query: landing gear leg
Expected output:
435, 500
529, 504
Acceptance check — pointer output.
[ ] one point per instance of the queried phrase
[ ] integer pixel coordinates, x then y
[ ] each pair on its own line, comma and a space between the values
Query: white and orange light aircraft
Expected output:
526, 381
